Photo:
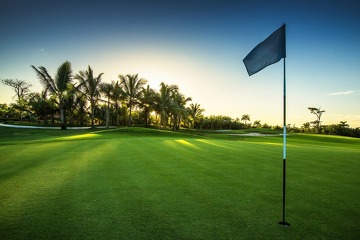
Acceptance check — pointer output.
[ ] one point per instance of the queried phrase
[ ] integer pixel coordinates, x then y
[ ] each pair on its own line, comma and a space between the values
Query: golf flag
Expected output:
269, 51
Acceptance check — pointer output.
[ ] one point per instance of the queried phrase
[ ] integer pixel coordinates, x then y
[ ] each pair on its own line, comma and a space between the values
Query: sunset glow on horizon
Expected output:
199, 46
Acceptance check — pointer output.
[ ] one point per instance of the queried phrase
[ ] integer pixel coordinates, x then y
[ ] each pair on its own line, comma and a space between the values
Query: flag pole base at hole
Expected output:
284, 224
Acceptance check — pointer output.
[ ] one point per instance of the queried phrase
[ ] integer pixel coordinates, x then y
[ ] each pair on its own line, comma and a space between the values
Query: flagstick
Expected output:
283, 222
270, 51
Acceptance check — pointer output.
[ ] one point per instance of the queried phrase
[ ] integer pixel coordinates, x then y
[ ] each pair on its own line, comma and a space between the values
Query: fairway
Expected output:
135, 183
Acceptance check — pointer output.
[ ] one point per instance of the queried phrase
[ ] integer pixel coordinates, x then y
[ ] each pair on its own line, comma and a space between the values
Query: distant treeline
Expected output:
10, 114
83, 99
341, 129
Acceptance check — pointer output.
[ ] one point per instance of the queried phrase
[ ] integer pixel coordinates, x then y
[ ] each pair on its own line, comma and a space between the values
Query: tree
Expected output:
195, 113
6, 112
80, 106
245, 118
90, 85
75, 105
318, 112
305, 127
57, 86
117, 97
22, 90
147, 101
343, 124
164, 102
132, 86
178, 109
257, 124
41, 106
107, 90
219, 122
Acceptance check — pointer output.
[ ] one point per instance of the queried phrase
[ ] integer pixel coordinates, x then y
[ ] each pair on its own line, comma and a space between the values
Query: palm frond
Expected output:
45, 79
63, 76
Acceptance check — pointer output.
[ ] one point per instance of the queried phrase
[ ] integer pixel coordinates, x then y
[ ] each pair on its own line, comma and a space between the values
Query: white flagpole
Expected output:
283, 222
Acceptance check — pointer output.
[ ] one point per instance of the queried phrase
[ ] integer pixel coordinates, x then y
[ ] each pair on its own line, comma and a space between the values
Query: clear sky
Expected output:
198, 45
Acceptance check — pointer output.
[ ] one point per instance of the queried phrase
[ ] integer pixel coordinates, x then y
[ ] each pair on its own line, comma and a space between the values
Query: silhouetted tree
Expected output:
164, 102
147, 101
90, 86
107, 90
257, 124
195, 113
318, 112
132, 87
22, 90
57, 86
245, 118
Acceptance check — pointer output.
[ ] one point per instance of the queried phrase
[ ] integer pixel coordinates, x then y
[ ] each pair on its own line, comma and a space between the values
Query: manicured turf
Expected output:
134, 183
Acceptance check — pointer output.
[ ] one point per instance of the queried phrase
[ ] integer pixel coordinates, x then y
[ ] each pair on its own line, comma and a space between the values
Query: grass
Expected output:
134, 183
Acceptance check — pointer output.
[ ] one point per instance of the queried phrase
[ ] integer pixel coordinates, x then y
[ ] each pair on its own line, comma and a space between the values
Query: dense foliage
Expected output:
341, 129
84, 99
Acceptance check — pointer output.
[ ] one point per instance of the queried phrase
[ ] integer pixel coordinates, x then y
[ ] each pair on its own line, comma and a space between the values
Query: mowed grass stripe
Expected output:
149, 184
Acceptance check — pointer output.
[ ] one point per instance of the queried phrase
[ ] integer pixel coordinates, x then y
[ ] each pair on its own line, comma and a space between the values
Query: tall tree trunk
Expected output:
92, 113
107, 114
62, 119
62, 113
179, 123
20, 107
130, 117
117, 115
174, 118
146, 117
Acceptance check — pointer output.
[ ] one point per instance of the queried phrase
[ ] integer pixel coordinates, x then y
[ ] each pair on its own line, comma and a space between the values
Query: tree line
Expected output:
342, 128
83, 99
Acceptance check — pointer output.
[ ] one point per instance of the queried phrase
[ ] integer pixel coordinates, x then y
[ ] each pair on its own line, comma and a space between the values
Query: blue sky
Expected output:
198, 45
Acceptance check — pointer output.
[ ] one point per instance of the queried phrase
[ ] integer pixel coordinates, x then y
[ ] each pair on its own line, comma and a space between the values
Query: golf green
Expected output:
135, 183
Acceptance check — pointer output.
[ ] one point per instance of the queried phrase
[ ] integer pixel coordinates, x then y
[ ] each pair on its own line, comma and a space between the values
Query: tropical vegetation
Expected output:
84, 99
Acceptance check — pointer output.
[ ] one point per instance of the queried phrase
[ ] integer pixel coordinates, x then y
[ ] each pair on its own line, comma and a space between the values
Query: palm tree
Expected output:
257, 124
117, 97
195, 113
107, 90
76, 106
70, 103
39, 105
90, 85
178, 110
132, 87
80, 104
147, 102
57, 86
164, 102
245, 118
343, 124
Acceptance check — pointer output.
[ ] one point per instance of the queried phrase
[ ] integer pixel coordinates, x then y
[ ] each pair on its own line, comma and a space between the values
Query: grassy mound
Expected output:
134, 183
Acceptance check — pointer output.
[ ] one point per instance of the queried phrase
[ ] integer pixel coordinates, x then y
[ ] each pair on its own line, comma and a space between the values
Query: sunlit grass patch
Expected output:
79, 136
187, 143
